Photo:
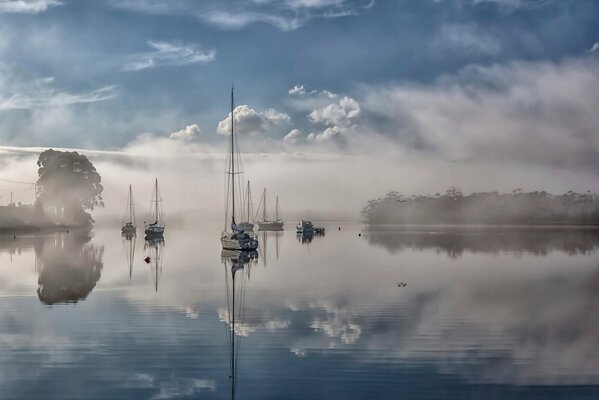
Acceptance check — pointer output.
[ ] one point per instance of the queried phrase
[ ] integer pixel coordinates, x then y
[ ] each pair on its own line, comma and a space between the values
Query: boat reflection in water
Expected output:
129, 250
154, 251
237, 268
68, 266
264, 248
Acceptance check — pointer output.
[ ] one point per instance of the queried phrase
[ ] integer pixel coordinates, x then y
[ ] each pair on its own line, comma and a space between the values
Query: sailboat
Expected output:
266, 224
248, 211
129, 227
235, 237
156, 228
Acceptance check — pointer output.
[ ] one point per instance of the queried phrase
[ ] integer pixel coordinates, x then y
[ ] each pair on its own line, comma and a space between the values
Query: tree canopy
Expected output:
69, 184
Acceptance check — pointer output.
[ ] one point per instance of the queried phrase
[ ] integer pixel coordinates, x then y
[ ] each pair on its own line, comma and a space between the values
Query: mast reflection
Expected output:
129, 240
237, 267
263, 250
154, 250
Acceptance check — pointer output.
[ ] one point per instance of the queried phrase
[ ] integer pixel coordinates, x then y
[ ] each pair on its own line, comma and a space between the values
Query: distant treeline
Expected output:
454, 207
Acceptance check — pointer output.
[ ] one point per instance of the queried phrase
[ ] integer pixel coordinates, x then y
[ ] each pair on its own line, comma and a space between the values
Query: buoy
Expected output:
359, 234
339, 228
147, 260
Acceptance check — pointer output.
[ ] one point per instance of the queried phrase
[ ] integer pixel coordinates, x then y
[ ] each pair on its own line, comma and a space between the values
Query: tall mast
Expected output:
248, 199
264, 204
156, 194
131, 217
232, 157
277, 210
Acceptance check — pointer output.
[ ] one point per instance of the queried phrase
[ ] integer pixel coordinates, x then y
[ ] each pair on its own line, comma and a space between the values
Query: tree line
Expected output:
453, 207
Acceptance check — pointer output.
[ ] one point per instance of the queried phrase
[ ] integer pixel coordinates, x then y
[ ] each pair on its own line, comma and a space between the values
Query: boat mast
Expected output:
131, 211
248, 199
277, 210
232, 158
264, 204
156, 194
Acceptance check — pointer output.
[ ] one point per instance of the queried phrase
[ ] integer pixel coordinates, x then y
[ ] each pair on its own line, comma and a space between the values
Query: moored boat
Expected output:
234, 236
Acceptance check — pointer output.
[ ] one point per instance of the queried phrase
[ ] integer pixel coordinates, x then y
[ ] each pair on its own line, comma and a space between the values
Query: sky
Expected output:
338, 101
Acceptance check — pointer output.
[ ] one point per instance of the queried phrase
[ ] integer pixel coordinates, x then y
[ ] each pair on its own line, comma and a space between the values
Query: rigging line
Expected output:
17, 182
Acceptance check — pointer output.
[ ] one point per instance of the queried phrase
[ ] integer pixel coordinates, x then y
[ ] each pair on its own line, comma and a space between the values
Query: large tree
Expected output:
69, 185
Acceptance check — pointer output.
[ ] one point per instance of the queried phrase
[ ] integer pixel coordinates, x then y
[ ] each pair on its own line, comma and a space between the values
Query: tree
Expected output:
69, 184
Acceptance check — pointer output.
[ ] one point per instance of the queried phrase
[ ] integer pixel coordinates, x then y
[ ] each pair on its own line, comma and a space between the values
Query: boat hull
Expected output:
154, 232
230, 243
128, 229
270, 226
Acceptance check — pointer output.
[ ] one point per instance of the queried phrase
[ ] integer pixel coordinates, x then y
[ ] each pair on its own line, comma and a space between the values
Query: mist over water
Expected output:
412, 312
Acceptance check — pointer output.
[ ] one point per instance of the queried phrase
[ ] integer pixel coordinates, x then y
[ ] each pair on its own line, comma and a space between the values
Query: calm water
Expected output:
410, 313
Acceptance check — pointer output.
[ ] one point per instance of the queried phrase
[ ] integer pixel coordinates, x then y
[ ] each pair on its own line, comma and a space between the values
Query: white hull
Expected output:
230, 243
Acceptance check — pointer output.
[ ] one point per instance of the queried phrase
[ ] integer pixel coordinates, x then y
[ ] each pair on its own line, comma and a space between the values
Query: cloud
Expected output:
534, 112
338, 117
301, 90
27, 6
167, 54
293, 136
187, 133
249, 121
468, 38
41, 93
594, 48
297, 89
285, 15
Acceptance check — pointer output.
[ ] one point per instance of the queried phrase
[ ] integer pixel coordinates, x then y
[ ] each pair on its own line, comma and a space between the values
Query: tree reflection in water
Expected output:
68, 266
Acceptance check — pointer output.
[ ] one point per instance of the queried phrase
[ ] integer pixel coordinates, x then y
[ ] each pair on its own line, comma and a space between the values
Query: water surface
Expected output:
399, 312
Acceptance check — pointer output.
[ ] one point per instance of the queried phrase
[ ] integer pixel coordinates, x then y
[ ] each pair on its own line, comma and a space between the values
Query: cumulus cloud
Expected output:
293, 136
299, 90
338, 117
249, 121
42, 93
165, 53
187, 133
286, 15
27, 6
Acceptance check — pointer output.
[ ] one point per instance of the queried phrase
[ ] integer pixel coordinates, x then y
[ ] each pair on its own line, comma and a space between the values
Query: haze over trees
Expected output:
454, 207
68, 185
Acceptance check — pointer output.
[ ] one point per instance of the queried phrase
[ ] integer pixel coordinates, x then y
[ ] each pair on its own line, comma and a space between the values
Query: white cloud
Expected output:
41, 93
594, 48
27, 6
297, 89
293, 136
535, 112
187, 133
249, 121
286, 15
165, 53
337, 113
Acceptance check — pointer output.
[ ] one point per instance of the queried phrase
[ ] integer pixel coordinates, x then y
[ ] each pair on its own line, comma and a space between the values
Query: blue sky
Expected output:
470, 85
161, 65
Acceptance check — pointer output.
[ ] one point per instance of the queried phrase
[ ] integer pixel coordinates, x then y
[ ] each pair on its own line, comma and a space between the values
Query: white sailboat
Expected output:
234, 236
266, 224
129, 227
155, 229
